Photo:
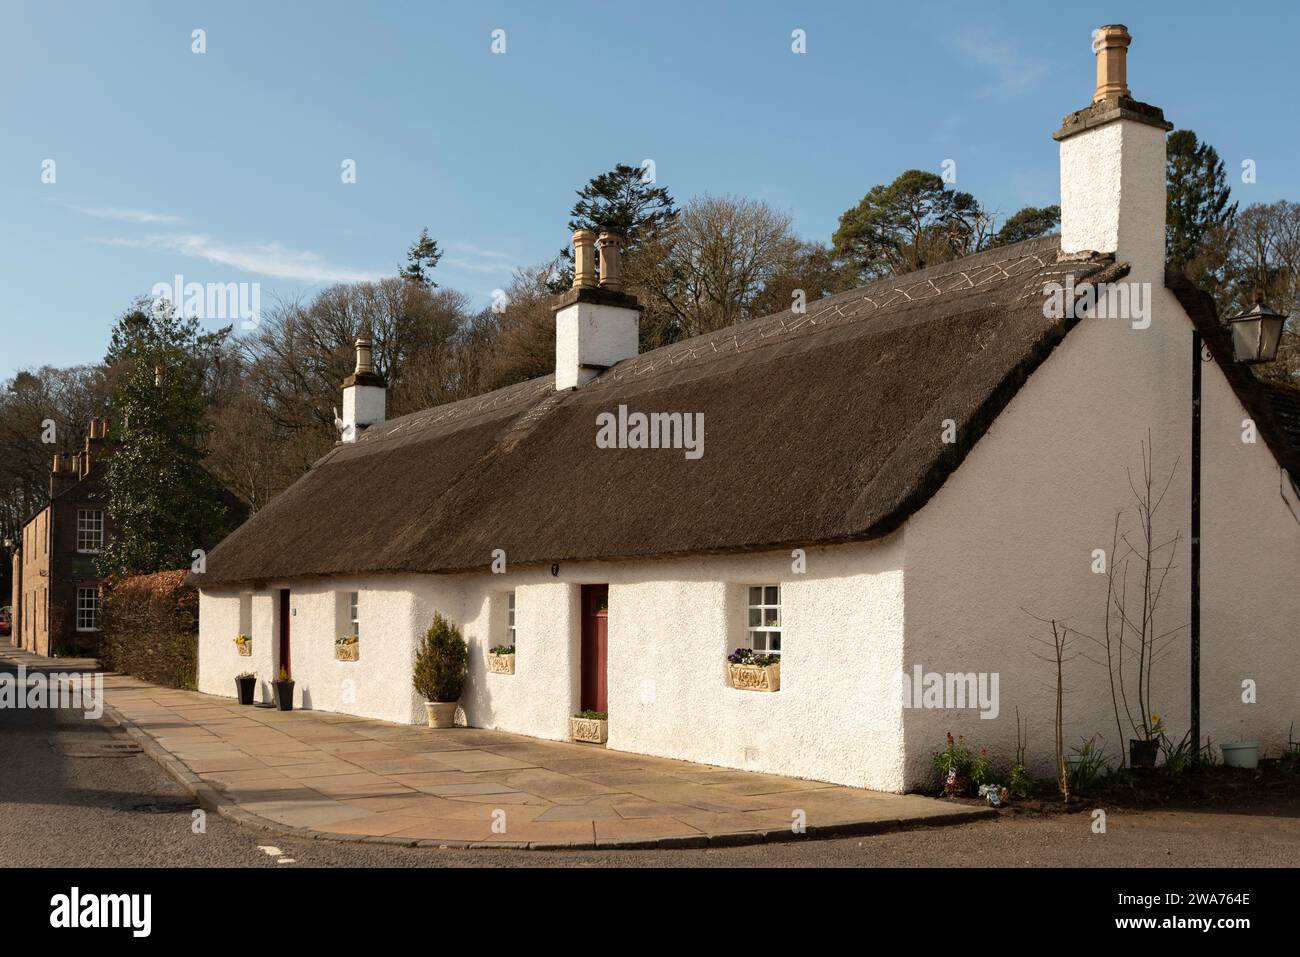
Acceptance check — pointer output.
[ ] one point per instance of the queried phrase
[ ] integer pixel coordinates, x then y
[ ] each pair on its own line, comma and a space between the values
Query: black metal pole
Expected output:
1196, 545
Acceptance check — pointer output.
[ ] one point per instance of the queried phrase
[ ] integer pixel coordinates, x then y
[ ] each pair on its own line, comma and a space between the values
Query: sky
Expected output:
229, 165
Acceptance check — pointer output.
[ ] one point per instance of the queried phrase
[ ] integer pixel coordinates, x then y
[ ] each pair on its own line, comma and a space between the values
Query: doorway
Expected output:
595, 647
285, 661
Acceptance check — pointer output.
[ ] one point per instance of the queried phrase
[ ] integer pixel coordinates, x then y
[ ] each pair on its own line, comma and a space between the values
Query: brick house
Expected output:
56, 584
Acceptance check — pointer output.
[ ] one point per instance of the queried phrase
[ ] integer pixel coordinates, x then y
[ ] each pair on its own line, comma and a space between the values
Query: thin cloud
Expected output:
264, 259
1013, 72
469, 249
470, 265
126, 215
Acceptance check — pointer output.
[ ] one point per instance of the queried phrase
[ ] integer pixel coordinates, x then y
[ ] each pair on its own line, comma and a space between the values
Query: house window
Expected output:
90, 529
87, 609
764, 621
510, 619
353, 617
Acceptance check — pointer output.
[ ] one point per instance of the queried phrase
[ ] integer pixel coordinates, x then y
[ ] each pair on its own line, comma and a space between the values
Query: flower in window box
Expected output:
754, 671
244, 645
501, 660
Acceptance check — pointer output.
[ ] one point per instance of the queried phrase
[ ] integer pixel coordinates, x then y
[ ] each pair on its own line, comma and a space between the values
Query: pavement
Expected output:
320, 775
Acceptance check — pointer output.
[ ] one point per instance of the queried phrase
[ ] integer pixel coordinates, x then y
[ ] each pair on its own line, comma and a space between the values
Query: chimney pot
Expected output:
1110, 44
365, 356
584, 259
611, 262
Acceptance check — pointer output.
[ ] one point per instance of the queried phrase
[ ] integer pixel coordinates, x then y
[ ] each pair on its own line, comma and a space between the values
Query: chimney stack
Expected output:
1113, 168
96, 432
65, 473
62, 474
364, 394
596, 325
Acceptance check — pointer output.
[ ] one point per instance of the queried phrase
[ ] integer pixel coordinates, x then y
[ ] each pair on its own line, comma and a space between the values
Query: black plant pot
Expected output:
284, 695
246, 687
1142, 754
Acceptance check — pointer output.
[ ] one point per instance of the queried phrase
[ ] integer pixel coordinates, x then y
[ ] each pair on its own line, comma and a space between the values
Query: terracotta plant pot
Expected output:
589, 730
501, 664
1240, 754
246, 687
284, 694
1142, 754
756, 677
442, 714
349, 652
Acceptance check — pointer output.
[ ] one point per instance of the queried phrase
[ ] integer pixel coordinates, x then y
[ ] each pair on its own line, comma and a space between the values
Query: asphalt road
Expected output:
61, 806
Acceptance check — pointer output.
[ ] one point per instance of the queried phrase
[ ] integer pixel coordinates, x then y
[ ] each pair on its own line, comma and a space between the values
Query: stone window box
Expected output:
590, 730
501, 664
348, 652
756, 677
244, 648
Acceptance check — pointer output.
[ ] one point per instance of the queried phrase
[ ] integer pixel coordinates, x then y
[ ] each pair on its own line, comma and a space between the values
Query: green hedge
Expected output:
150, 629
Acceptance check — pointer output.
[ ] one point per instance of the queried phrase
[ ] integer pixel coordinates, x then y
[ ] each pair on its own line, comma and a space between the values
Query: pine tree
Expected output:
624, 203
1198, 198
621, 201
162, 503
421, 259
913, 222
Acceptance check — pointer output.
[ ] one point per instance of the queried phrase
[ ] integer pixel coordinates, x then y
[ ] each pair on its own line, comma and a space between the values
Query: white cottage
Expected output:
901, 481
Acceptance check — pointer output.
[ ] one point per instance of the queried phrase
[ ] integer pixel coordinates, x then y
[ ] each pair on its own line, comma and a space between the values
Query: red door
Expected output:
595, 647
284, 634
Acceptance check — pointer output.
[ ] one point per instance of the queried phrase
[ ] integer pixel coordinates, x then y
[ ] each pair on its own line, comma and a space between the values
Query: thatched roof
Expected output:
819, 428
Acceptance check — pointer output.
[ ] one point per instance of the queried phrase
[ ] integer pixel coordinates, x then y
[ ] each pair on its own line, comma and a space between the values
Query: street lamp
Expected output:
1256, 334
1255, 338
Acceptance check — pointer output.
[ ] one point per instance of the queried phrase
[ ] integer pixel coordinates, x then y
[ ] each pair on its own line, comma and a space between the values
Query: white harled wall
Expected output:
1011, 535
671, 625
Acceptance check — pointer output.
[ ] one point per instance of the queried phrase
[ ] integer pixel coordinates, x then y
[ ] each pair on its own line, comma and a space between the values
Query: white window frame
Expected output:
90, 531
759, 637
510, 619
87, 608
354, 613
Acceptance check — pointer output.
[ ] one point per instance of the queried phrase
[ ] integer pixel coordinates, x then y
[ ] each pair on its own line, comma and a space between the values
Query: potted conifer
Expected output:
246, 683
441, 664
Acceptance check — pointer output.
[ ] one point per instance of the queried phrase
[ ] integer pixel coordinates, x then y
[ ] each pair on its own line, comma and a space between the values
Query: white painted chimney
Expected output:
596, 324
364, 395
1113, 167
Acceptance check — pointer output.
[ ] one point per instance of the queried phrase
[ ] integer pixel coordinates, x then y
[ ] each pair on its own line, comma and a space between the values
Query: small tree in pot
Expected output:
441, 664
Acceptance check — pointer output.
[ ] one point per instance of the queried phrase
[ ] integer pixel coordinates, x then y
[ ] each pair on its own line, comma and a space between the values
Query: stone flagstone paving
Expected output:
338, 776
